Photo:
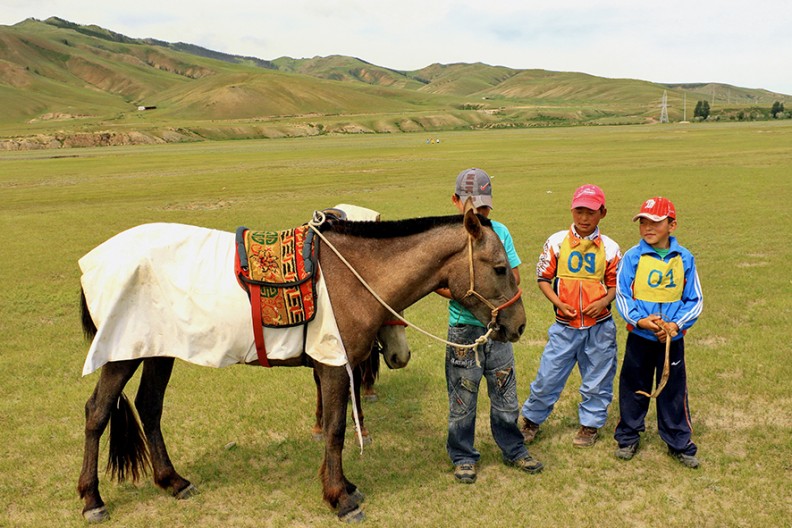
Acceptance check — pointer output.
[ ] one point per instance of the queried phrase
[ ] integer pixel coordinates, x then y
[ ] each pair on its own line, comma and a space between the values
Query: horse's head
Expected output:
392, 340
486, 283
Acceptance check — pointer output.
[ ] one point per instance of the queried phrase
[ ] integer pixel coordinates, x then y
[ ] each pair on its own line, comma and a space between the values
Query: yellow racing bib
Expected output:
658, 281
581, 259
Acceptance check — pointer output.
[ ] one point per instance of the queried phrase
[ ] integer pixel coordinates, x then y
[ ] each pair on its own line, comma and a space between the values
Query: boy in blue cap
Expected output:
659, 296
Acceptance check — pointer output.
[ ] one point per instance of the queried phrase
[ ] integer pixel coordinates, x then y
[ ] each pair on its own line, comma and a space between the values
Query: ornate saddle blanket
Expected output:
278, 270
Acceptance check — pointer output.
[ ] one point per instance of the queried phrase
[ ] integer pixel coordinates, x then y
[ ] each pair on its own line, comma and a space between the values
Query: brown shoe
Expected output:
527, 428
585, 437
528, 464
465, 473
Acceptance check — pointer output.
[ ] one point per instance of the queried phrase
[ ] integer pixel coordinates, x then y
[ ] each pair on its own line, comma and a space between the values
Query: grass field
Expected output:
732, 186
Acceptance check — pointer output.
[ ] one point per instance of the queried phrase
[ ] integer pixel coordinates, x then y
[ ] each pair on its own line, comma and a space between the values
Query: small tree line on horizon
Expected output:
702, 112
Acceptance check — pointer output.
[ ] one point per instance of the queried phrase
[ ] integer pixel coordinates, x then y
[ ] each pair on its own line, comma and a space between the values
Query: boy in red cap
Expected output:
577, 273
659, 296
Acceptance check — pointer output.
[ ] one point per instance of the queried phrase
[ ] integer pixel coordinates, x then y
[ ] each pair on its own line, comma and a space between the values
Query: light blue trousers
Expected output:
594, 350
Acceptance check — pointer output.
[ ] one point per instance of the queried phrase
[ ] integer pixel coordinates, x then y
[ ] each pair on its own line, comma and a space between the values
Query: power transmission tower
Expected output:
664, 108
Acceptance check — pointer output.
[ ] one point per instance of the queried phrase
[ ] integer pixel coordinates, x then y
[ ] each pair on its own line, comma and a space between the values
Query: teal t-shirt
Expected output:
458, 314
662, 252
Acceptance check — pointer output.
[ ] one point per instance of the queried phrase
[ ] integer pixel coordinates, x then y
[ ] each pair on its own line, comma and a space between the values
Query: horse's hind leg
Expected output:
369, 371
113, 378
148, 402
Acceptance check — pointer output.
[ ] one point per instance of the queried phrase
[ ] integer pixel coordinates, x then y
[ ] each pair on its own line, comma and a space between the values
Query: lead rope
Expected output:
666, 364
355, 417
319, 220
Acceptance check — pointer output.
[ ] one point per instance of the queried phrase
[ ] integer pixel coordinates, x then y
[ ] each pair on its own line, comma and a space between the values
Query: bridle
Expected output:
494, 310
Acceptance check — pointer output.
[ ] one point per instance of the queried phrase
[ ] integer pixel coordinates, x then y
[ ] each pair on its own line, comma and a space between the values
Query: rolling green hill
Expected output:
58, 78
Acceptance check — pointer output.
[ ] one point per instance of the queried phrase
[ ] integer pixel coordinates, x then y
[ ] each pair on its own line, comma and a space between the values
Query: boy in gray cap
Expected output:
496, 361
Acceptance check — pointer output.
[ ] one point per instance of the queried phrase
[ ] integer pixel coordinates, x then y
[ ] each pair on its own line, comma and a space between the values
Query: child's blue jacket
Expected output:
683, 312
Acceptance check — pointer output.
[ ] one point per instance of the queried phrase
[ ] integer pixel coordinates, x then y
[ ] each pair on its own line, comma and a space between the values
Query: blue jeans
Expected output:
594, 351
463, 377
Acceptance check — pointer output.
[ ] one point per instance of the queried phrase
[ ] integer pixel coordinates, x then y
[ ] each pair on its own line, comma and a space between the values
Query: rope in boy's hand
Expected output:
666, 363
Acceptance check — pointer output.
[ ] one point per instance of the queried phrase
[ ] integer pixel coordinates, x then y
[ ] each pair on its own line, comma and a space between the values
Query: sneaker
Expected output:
528, 464
527, 428
686, 460
465, 473
585, 437
627, 452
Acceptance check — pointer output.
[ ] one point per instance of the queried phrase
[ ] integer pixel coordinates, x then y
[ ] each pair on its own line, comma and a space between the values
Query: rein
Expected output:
666, 364
319, 219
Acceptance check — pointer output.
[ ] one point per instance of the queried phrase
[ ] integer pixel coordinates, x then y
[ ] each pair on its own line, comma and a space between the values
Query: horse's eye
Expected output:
500, 270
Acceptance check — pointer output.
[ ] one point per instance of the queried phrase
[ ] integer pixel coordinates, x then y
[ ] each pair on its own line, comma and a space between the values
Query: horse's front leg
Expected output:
337, 490
316, 430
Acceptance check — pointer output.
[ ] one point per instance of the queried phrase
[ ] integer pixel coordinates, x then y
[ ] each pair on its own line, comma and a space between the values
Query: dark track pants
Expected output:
643, 362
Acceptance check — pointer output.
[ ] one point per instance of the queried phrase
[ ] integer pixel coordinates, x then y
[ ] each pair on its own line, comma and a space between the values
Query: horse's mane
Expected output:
396, 228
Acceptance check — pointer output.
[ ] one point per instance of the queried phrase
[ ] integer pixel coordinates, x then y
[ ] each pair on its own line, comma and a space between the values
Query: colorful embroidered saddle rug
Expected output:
278, 270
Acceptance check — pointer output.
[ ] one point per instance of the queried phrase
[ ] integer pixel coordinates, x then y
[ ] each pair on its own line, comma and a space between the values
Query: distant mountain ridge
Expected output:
100, 77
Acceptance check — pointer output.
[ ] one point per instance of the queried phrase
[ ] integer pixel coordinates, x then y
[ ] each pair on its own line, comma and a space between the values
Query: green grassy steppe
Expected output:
731, 185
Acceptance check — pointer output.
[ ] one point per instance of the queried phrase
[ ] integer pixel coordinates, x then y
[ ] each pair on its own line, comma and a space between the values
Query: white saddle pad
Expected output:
169, 290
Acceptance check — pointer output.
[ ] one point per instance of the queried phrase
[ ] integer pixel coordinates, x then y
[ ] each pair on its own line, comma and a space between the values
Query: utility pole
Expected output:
664, 108
684, 106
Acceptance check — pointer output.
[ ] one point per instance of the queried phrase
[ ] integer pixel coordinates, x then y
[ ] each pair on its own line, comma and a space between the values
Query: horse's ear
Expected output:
468, 205
472, 223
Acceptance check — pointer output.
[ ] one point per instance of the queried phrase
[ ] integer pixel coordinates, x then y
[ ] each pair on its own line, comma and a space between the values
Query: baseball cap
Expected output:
476, 184
588, 196
656, 209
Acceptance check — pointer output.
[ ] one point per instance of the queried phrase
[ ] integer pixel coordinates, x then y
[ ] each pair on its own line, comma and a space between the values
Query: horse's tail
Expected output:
89, 328
128, 454
369, 370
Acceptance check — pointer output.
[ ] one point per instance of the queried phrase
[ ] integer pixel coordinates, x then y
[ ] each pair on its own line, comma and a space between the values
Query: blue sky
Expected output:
740, 43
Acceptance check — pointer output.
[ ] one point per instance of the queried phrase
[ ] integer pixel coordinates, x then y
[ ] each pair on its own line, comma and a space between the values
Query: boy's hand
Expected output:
596, 307
656, 325
566, 310
649, 323
666, 329
444, 292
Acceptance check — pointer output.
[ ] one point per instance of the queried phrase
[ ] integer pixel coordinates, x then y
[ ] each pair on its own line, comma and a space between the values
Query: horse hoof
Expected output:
371, 398
357, 496
317, 437
96, 515
366, 439
354, 516
186, 493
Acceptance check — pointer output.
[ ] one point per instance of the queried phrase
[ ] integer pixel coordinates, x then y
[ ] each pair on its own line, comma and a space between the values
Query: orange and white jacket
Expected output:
581, 270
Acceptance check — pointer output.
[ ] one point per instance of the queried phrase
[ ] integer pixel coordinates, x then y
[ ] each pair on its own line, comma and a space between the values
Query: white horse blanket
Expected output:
169, 290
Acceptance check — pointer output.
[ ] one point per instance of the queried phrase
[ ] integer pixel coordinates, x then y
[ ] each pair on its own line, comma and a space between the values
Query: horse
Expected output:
391, 343
401, 262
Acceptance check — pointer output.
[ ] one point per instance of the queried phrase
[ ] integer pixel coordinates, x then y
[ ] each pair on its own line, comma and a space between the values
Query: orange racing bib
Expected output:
581, 259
